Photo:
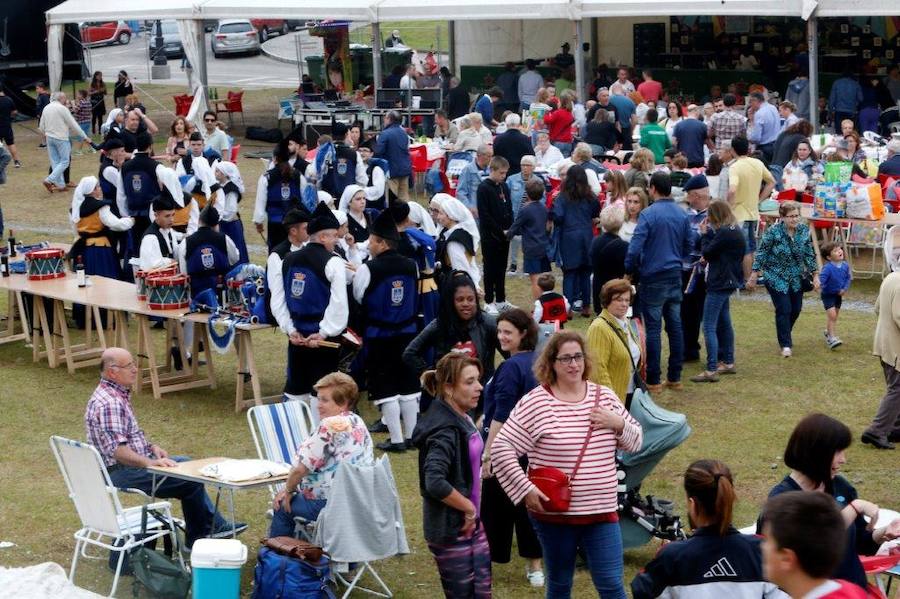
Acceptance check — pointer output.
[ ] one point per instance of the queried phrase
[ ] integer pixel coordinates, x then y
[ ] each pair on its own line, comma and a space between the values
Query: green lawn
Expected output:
419, 35
744, 420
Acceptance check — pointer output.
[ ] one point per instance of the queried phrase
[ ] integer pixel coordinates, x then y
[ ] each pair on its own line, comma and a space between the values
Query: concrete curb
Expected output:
275, 56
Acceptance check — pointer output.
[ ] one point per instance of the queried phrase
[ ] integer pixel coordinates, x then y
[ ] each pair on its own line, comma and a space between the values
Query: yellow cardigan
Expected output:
611, 360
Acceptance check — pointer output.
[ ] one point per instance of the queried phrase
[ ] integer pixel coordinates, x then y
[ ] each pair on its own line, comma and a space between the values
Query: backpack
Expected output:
282, 577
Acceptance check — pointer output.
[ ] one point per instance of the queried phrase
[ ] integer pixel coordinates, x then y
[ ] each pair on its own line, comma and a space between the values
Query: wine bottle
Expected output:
4, 265
11, 243
80, 274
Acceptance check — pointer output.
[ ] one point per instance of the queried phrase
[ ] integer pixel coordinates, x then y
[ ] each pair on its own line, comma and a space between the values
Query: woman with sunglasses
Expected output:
573, 425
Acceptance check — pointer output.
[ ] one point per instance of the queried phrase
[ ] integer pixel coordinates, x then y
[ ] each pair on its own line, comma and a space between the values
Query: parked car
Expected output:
98, 33
266, 27
171, 40
234, 36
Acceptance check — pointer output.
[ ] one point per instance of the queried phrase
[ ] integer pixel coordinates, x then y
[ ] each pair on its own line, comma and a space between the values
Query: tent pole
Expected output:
201, 48
376, 59
812, 49
451, 50
579, 59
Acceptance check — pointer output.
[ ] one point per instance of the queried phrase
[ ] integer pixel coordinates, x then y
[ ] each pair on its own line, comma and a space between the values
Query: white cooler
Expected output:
216, 565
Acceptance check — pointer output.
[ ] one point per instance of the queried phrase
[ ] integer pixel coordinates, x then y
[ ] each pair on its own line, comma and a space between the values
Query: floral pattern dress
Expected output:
341, 438
784, 260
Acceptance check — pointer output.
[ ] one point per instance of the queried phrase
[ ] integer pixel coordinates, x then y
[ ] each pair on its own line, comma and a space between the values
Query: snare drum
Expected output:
45, 264
167, 292
141, 276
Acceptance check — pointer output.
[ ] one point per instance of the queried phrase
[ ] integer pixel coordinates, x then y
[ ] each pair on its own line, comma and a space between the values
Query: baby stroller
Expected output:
642, 518
456, 162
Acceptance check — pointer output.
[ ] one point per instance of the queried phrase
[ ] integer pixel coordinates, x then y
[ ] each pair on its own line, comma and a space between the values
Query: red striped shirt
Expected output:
551, 432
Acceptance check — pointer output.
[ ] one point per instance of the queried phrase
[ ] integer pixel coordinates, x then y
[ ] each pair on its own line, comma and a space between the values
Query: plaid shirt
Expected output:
725, 125
110, 422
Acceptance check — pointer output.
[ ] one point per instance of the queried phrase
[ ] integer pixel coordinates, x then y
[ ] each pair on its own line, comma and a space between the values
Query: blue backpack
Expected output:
281, 577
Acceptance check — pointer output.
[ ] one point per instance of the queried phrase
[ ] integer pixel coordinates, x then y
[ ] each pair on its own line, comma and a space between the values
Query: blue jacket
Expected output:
485, 107
706, 565
846, 94
517, 190
834, 278
531, 224
467, 183
511, 381
393, 146
661, 241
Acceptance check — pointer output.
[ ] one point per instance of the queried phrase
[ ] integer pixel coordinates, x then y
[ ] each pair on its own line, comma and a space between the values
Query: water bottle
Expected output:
11, 243
80, 274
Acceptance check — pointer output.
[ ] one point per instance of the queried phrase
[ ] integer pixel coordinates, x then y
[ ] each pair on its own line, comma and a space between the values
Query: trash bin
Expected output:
314, 66
216, 565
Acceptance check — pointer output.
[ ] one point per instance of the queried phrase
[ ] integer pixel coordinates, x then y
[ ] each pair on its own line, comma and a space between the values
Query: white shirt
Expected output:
114, 176
375, 191
334, 321
407, 82
150, 255
627, 230
549, 157
193, 216
620, 88
460, 260
529, 84
229, 207
230, 248
361, 177
593, 179
273, 271
57, 122
111, 221
204, 173
217, 140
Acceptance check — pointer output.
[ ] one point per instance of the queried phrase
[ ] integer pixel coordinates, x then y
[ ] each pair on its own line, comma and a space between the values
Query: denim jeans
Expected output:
515, 250
577, 285
564, 147
717, 329
198, 510
5, 159
59, 151
660, 299
602, 544
787, 311
283, 522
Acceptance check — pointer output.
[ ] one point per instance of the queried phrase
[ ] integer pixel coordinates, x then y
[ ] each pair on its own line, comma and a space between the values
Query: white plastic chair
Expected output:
97, 503
277, 430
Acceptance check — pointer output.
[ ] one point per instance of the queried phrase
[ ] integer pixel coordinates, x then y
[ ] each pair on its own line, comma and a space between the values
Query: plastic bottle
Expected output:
11, 243
80, 276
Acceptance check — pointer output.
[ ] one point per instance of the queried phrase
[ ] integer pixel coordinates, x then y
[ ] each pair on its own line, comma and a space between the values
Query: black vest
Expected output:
282, 249
230, 187
153, 229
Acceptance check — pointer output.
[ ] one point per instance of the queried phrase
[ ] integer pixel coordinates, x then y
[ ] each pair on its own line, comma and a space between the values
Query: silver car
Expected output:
234, 37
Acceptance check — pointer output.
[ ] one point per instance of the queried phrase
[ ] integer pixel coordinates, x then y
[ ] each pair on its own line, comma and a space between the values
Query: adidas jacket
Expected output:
707, 566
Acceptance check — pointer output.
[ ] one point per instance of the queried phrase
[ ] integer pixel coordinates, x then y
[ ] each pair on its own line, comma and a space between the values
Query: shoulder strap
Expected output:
587, 437
623, 340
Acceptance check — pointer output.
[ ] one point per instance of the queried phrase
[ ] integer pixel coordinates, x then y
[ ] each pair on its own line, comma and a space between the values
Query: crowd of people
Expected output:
665, 243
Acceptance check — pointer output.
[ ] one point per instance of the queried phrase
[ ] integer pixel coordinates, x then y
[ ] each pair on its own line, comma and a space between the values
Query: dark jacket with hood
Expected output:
481, 331
442, 438
798, 93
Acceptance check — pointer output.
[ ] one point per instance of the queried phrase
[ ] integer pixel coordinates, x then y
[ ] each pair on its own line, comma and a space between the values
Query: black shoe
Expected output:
176, 359
894, 437
191, 361
691, 359
159, 325
875, 442
392, 447
409, 444
378, 427
224, 532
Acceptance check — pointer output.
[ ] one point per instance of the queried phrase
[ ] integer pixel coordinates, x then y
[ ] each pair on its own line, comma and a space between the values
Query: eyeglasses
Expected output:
209, 120
791, 216
574, 358
128, 366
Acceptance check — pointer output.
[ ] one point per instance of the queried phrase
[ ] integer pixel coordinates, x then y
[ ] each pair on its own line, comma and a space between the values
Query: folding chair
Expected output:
97, 503
277, 430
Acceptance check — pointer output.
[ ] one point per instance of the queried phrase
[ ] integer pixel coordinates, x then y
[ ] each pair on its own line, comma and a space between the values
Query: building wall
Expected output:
492, 42
615, 39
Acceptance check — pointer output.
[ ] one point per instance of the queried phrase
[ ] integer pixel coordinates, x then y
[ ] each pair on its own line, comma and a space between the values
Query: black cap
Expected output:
281, 152
339, 130
209, 216
322, 219
113, 143
295, 216
399, 211
164, 202
385, 226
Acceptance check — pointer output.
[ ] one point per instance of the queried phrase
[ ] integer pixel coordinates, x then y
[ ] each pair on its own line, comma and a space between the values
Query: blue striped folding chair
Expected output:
277, 430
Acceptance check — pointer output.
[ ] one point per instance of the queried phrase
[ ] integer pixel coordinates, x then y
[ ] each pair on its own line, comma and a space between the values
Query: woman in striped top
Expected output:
549, 425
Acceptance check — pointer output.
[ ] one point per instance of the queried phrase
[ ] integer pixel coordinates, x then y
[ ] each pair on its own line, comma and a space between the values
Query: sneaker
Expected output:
504, 306
512, 269
786, 352
491, 309
42, 145
653, 389
577, 306
834, 343
18, 164
224, 531
724, 368
392, 447
674, 385
706, 377
535, 578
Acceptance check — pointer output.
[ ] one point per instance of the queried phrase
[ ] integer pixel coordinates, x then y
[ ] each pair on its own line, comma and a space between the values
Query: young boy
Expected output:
495, 217
550, 306
83, 114
834, 281
805, 538
531, 224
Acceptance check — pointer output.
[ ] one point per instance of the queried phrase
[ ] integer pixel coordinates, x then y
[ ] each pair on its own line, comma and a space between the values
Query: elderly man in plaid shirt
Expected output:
113, 429
726, 123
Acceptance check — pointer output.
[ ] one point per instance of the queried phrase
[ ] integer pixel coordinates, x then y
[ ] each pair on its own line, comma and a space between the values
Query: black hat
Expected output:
339, 130
144, 140
164, 202
209, 216
113, 143
368, 144
385, 226
295, 216
399, 211
322, 219
281, 152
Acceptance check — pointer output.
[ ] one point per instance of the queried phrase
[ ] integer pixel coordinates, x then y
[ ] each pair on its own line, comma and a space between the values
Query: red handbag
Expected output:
556, 484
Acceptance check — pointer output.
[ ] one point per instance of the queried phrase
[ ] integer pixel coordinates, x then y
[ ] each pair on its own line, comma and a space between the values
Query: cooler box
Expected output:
216, 565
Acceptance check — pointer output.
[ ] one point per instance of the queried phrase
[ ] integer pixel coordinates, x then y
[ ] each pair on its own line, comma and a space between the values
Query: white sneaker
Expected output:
504, 306
491, 309
576, 307
786, 352
536, 578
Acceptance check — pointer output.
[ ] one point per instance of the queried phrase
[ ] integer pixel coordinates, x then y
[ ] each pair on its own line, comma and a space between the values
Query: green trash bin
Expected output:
361, 57
391, 57
314, 66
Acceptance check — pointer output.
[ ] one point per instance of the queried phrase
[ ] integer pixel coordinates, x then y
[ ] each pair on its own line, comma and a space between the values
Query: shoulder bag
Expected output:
556, 484
635, 367
806, 281
163, 577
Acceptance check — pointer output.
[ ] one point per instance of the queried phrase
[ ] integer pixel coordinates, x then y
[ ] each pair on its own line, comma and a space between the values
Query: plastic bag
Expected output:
865, 202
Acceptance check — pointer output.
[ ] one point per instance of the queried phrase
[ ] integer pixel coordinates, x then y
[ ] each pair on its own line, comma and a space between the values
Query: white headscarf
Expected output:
341, 216
325, 198
419, 215
347, 195
169, 179
85, 187
458, 212
110, 119
230, 170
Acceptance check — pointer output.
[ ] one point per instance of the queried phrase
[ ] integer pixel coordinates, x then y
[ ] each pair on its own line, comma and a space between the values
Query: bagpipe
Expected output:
241, 300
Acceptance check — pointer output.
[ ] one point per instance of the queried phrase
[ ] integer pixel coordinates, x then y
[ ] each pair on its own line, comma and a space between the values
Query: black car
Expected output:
171, 40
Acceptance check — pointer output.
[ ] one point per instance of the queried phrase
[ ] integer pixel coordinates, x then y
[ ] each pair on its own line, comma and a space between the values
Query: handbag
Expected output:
556, 484
163, 577
297, 548
806, 281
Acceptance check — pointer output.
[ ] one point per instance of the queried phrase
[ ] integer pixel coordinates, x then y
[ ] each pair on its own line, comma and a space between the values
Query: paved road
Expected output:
242, 71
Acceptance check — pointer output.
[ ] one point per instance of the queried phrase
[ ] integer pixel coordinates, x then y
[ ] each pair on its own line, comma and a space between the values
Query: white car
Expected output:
235, 36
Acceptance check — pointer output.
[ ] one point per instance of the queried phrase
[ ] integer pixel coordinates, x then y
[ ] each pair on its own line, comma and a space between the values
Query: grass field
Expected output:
744, 420
419, 35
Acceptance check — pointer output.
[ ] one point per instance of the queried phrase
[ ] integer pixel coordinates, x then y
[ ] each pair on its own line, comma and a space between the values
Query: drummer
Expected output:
311, 307
158, 245
195, 173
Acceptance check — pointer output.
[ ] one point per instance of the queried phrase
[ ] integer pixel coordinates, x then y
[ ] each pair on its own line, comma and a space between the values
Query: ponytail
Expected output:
429, 382
710, 484
447, 373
